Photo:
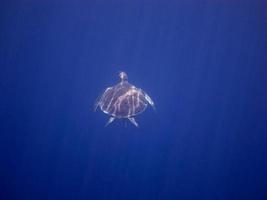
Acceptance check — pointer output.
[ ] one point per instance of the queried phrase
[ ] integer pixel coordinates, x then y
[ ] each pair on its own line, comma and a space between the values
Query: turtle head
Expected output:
123, 76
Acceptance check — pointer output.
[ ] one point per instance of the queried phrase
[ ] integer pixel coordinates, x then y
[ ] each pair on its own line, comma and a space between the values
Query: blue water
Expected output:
203, 63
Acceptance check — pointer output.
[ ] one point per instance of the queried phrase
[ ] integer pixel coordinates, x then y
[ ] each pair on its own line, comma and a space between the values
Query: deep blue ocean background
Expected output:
203, 62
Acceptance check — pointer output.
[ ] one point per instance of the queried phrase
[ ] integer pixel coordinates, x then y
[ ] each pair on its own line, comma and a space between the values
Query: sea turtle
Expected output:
123, 100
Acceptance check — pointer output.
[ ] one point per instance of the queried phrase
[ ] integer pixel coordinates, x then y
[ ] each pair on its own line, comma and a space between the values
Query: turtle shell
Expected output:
123, 100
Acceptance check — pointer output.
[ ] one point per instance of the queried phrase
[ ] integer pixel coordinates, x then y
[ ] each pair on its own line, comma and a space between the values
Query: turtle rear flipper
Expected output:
111, 119
133, 121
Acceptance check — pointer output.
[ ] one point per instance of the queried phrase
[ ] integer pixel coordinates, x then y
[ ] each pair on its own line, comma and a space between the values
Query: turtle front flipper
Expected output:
149, 100
97, 102
111, 119
99, 99
133, 121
